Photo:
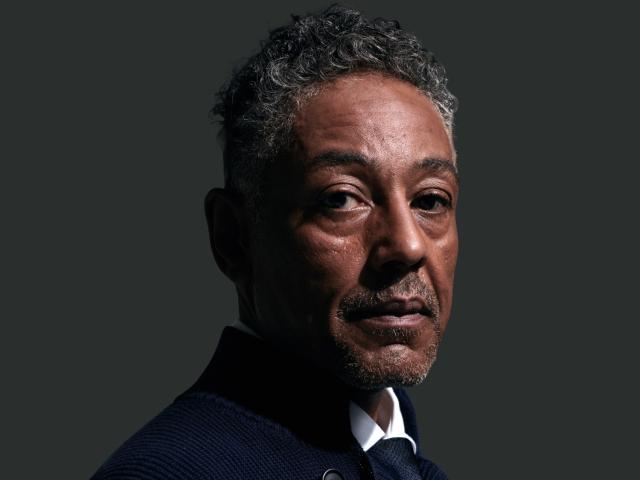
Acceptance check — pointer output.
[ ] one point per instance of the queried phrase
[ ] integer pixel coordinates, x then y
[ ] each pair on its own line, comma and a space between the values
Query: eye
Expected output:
432, 202
339, 200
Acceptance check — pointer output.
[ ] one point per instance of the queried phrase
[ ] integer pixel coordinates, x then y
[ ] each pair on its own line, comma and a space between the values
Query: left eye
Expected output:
432, 202
339, 201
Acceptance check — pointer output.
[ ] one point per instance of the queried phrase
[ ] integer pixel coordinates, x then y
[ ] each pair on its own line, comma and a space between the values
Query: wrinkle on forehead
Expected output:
375, 114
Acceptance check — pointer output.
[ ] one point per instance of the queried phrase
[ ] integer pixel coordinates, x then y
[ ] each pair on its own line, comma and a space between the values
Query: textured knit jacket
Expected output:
255, 413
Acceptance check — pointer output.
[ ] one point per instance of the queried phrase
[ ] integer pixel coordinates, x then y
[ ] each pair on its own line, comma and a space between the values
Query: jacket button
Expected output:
332, 474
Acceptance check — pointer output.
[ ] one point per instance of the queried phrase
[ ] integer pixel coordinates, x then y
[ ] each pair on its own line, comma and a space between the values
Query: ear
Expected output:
228, 233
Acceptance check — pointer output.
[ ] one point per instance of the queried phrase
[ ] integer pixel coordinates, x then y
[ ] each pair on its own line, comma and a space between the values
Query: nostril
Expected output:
398, 258
388, 274
400, 268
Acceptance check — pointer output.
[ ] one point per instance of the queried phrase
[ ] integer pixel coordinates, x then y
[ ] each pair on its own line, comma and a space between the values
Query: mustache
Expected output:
410, 286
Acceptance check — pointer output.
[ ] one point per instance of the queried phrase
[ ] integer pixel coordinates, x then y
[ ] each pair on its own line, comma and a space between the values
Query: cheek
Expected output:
443, 266
326, 263
450, 250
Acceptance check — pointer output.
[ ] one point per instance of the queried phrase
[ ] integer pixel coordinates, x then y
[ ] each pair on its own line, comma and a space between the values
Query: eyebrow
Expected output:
334, 158
439, 165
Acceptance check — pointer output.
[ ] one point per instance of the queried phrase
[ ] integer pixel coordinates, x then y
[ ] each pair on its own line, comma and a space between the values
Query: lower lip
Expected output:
414, 320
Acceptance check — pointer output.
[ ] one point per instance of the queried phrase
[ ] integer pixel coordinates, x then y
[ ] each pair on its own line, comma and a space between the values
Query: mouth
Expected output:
395, 313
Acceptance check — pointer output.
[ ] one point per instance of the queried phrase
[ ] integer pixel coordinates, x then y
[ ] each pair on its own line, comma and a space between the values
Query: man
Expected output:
337, 226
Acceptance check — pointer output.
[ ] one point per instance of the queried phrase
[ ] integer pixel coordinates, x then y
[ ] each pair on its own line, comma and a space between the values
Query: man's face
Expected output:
354, 261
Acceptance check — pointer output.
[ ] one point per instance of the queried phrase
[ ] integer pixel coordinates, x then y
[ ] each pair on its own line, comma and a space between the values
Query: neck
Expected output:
376, 403
271, 383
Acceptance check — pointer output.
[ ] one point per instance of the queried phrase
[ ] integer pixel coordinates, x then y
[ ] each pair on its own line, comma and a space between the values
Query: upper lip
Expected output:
396, 306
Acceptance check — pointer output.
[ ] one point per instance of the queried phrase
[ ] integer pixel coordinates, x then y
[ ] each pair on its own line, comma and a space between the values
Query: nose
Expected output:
398, 240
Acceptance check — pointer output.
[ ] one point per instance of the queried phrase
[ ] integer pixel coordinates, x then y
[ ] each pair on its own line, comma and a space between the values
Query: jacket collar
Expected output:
286, 389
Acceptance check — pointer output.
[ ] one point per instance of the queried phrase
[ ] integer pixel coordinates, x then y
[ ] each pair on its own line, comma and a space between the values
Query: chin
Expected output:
395, 365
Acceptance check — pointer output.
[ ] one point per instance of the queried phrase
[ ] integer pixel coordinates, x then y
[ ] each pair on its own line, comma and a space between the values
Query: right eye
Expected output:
339, 200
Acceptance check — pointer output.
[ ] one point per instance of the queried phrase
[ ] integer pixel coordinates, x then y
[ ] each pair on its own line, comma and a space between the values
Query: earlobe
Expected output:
228, 232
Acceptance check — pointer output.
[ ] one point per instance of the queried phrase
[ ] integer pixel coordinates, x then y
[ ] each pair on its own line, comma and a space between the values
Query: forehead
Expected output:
375, 116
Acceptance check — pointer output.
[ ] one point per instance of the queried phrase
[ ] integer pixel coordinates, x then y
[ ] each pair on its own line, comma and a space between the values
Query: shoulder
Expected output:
196, 435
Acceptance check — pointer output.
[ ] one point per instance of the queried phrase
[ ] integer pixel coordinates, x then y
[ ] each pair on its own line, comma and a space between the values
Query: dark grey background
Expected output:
113, 302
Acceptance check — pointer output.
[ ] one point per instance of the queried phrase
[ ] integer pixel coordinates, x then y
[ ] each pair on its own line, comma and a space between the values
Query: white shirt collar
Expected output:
363, 427
368, 432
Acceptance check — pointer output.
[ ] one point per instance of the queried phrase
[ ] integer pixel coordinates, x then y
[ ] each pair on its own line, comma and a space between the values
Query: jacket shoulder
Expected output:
430, 471
191, 438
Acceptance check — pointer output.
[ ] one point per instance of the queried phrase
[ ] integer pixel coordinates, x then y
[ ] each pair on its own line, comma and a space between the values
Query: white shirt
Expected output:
368, 432
364, 428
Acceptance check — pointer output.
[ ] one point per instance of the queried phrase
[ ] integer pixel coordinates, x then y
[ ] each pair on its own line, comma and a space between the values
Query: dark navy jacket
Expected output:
255, 413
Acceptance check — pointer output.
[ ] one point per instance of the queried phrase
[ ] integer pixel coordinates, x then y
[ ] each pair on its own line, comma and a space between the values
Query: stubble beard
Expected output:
400, 360
390, 366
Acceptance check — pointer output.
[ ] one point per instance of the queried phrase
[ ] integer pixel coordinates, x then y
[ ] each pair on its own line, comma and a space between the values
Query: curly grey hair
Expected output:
259, 103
